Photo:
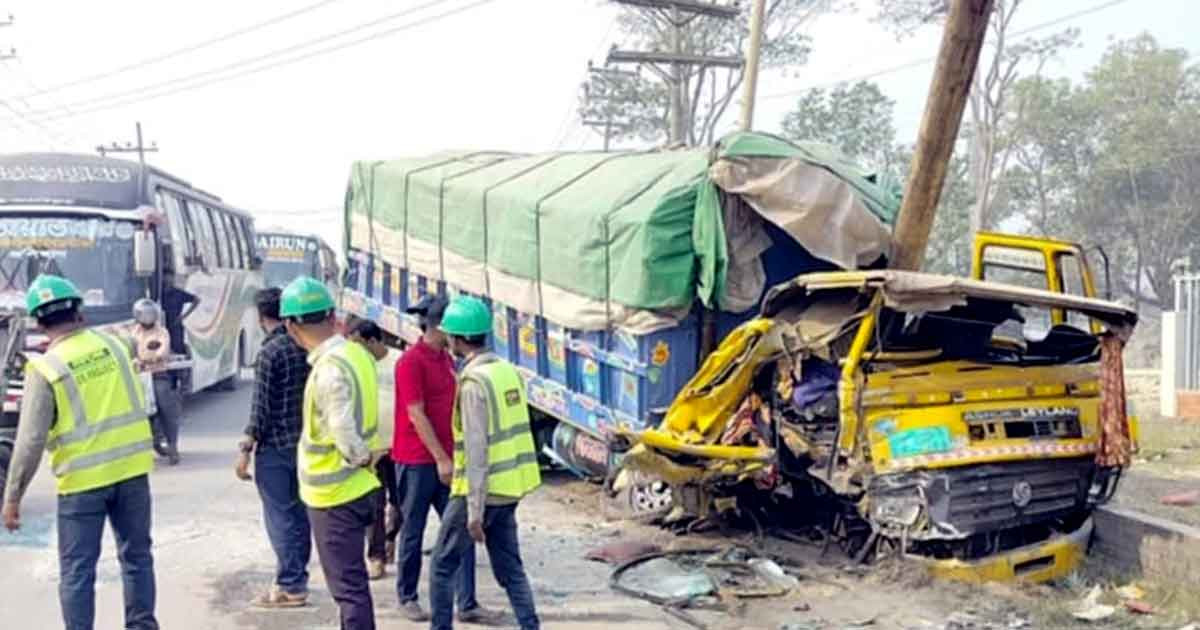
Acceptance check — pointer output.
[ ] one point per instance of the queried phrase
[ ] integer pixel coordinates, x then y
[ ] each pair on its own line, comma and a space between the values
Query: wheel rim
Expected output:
650, 496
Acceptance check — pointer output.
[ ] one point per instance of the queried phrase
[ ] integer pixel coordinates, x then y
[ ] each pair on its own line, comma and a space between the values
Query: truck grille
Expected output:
992, 497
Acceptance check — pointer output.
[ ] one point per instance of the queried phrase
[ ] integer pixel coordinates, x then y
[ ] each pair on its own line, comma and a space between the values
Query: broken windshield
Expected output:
94, 253
982, 330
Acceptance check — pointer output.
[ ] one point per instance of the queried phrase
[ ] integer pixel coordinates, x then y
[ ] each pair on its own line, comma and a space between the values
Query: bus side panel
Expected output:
214, 327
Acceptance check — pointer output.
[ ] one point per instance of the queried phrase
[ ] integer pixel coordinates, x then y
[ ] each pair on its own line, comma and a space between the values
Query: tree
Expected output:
638, 103
1114, 161
856, 119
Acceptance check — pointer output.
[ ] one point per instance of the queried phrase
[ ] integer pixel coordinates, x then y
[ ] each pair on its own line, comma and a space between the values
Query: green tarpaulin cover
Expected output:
586, 239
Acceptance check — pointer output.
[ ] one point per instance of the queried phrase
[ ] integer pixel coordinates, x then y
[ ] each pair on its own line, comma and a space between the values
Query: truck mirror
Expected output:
145, 260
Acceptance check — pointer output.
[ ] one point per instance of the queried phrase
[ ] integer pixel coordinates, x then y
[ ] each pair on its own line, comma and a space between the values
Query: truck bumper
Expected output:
1051, 559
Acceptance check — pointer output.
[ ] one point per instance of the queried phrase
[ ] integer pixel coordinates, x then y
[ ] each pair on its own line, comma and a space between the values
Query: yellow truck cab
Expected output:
953, 420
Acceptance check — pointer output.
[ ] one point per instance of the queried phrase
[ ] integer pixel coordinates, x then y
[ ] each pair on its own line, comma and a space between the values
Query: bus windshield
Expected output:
285, 257
95, 253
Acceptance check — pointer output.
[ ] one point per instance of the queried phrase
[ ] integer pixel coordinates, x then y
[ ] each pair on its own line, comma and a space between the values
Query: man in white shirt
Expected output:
381, 537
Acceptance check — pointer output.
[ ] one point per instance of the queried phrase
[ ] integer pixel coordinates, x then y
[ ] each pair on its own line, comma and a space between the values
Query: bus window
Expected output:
203, 228
1070, 272
251, 242
221, 240
239, 244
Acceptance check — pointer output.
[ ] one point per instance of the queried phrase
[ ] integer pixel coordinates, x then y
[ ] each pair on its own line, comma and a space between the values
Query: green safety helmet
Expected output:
467, 316
304, 296
50, 294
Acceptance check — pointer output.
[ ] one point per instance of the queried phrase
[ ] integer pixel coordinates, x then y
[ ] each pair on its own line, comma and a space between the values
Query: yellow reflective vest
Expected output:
326, 479
101, 434
512, 458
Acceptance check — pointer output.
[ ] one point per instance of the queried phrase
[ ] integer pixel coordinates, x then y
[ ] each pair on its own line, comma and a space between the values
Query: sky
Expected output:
430, 75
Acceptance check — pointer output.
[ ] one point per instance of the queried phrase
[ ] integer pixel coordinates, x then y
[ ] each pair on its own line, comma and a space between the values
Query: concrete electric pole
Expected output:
129, 147
607, 79
678, 14
752, 54
962, 40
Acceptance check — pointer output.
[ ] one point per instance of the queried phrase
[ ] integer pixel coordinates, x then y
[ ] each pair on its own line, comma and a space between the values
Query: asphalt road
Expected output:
212, 558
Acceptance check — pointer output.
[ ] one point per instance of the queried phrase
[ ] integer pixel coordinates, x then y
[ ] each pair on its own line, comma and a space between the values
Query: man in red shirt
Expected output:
423, 448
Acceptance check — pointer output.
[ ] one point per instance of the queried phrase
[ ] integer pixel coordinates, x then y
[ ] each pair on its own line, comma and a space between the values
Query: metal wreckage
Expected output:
959, 422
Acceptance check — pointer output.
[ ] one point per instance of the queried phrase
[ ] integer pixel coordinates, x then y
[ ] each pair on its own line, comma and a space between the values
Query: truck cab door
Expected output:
1037, 263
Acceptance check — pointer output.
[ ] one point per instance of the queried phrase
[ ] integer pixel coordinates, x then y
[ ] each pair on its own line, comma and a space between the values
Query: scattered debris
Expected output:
622, 551
1090, 609
1130, 591
1139, 606
1182, 499
773, 572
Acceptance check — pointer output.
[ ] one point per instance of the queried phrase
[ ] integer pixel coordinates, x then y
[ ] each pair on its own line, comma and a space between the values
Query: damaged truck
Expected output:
663, 311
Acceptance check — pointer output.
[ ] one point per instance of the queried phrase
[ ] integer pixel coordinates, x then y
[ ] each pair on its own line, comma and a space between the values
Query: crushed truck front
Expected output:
927, 421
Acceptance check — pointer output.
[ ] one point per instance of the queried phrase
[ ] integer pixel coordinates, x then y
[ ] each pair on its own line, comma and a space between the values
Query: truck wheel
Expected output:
5, 458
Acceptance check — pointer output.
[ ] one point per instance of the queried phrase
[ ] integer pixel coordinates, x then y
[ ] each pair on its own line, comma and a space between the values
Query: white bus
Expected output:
122, 231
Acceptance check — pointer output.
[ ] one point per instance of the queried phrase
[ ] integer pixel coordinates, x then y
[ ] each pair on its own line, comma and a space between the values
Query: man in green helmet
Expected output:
495, 465
335, 458
85, 405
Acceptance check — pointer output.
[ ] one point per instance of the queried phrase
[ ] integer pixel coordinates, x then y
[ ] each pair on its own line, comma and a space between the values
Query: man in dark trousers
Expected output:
495, 466
272, 436
422, 449
337, 446
84, 405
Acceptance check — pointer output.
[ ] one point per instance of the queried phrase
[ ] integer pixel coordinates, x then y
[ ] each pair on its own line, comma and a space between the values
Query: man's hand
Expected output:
12, 516
445, 468
476, 530
242, 468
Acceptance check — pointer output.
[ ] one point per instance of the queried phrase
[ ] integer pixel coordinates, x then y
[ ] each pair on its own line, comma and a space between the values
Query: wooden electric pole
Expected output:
752, 55
608, 81
962, 40
129, 147
12, 52
678, 14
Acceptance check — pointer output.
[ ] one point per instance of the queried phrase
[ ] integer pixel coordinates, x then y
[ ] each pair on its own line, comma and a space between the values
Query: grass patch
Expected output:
1169, 438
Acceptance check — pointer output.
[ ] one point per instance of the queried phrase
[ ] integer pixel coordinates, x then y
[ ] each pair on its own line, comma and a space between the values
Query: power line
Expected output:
927, 60
149, 61
560, 136
251, 60
284, 62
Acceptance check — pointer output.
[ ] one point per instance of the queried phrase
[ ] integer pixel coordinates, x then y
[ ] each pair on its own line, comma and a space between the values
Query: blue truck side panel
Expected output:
592, 379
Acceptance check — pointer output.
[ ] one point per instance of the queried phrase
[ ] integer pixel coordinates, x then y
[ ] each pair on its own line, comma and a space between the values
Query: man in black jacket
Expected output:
271, 436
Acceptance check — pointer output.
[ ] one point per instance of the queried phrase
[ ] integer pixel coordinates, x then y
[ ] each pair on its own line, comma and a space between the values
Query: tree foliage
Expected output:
857, 119
638, 103
1114, 160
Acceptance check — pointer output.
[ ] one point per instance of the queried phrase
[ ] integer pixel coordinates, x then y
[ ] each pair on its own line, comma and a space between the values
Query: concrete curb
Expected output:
1147, 545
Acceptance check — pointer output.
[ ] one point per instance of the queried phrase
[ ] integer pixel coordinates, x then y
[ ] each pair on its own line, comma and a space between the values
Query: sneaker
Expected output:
376, 569
413, 611
276, 597
481, 616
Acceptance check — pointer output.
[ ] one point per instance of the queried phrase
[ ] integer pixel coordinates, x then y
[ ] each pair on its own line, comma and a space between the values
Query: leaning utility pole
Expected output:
678, 14
752, 55
962, 40
129, 147
12, 52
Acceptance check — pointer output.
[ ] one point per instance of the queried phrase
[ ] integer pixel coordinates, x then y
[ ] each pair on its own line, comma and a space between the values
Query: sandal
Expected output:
278, 598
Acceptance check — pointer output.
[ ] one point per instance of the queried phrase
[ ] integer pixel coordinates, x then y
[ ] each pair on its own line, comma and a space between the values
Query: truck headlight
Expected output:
903, 511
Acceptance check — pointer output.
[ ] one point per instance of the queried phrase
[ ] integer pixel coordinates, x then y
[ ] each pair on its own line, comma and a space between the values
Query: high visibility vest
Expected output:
101, 434
326, 480
512, 459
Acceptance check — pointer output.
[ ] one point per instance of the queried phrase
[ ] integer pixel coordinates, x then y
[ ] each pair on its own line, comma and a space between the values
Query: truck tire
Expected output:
5, 458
